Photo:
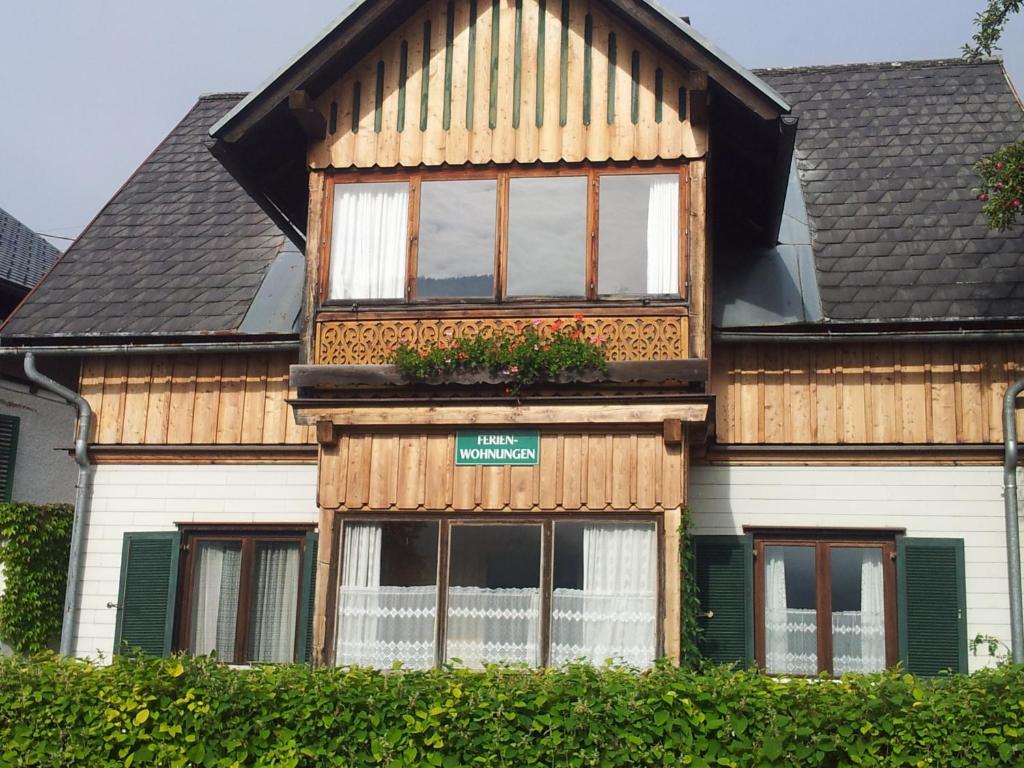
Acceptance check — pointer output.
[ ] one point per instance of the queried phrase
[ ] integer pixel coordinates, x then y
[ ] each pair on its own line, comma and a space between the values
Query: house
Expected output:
810, 328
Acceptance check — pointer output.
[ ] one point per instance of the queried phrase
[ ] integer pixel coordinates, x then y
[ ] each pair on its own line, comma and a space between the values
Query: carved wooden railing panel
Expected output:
649, 336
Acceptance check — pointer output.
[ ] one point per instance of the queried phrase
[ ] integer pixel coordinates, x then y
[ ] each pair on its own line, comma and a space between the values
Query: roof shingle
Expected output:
24, 256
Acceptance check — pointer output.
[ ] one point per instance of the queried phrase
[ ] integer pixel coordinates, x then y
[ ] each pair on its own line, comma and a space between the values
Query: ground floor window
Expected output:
537, 592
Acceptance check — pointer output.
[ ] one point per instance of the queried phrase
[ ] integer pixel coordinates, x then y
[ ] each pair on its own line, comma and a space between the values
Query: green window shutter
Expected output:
932, 605
304, 648
9, 426
149, 584
725, 587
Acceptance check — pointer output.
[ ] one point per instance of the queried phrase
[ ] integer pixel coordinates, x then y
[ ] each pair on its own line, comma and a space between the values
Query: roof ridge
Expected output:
878, 65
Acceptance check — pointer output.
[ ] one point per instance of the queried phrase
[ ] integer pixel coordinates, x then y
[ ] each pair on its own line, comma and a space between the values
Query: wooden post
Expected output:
314, 254
700, 268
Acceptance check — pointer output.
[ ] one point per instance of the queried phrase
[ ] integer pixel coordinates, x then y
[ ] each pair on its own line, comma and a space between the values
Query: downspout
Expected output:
1012, 519
75, 400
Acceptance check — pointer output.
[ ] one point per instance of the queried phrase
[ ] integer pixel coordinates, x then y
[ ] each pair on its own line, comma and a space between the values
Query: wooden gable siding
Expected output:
191, 400
577, 472
502, 81
854, 393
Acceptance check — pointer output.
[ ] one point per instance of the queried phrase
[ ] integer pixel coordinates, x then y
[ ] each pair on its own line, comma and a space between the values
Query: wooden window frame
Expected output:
248, 536
445, 523
823, 542
503, 176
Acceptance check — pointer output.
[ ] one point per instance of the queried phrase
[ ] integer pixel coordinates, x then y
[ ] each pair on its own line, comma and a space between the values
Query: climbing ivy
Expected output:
34, 545
690, 631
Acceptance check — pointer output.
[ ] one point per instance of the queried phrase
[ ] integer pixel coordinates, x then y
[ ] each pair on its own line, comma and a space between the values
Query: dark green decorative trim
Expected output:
449, 51
495, 51
403, 76
539, 97
304, 646
332, 121
659, 95
634, 96
563, 96
588, 65
471, 67
682, 103
357, 98
378, 99
612, 56
425, 77
517, 81
11, 425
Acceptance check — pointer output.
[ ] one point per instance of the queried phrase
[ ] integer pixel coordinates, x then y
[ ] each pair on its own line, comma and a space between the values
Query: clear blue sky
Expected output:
89, 87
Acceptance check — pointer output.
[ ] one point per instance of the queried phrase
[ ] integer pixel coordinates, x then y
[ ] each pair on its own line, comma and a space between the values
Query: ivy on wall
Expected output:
34, 545
690, 632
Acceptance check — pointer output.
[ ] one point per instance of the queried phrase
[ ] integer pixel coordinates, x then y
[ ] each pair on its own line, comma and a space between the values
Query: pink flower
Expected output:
514, 369
537, 322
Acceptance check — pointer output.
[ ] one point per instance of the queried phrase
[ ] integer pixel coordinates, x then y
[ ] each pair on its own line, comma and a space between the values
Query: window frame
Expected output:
503, 176
445, 522
248, 536
823, 542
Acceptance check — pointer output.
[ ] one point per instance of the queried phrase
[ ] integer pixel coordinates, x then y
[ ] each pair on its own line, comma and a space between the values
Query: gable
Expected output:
512, 81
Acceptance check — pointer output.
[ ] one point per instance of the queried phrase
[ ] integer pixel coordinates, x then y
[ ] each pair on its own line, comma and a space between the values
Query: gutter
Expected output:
1012, 520
830, 337
67, 631
184, 348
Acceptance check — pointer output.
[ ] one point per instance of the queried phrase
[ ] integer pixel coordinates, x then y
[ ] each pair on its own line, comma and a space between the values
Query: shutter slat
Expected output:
725, 588
933, 611
9, 426
304, 648
149, 581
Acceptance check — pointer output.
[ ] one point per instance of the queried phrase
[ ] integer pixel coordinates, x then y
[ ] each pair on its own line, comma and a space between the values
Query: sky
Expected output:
88, 88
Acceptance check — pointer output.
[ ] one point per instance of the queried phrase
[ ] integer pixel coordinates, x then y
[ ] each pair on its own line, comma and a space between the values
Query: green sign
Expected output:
492, 449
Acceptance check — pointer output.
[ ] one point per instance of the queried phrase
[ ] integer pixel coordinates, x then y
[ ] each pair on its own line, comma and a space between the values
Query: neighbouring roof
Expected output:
181, 249
24, 256
885, 154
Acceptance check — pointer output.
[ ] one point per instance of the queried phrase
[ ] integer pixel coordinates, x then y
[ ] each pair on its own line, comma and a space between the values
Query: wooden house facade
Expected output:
266, 487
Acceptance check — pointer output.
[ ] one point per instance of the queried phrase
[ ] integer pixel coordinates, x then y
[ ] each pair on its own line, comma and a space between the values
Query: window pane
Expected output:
275, 603
387, 603
858, 610
494, 594
639, 235
456, 239
215, 598
790, 610
369, 241
547, 236
604, 604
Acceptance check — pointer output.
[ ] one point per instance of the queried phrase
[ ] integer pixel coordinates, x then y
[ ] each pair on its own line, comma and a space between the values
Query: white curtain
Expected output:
663, 236
381, 625
276, 605
493, 625
614, 616
858, 637
791, 634
215, 601
369, 241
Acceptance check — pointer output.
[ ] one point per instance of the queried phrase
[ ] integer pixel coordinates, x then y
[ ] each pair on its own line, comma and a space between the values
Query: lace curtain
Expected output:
791, 634
858, 637
492, 625
276, 605
380, 625
369, 241
663, 236
215, 600
614, 615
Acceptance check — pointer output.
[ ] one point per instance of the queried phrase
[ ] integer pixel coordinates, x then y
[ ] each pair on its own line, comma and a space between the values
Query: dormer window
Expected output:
481, 235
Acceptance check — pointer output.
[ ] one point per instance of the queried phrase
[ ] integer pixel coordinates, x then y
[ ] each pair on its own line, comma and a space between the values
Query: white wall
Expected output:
936, 502
154, 498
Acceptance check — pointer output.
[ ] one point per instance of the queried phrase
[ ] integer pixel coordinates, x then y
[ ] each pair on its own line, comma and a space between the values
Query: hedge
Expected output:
183, 712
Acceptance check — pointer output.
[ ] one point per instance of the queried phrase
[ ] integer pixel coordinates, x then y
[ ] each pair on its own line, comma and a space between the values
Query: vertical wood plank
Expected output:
503, 141
972, 406
91, 388
436, 469
597, 462
232, 393
648, 464
623, 464
572, 486
137, 399
207, 400
276, 412
457, 142
159, 410
480, 137
254, 400
527, 139
550, 94
183, 400
943, 396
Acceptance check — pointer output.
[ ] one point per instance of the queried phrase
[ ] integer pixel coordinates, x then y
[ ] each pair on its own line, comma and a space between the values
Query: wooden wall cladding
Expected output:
504, 81
579, 472
191, 400
628, 336
877, 393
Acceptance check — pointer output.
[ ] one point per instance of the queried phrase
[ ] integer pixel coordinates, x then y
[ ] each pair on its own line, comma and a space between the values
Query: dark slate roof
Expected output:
181, 249
24, 255
885, 154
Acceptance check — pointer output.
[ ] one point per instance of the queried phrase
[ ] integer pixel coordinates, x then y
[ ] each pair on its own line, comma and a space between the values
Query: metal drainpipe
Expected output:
1012, 520
73, 399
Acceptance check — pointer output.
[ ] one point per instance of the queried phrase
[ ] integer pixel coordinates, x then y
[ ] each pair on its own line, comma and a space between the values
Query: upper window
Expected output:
520, 591
505, 235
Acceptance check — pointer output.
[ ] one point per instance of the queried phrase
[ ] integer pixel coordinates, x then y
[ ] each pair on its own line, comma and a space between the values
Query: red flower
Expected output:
983, 197
1000, 165
1015, 203
556, 325
576, 334
577, 317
